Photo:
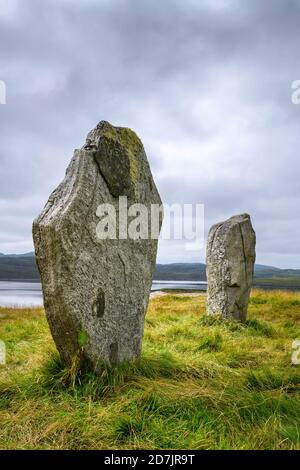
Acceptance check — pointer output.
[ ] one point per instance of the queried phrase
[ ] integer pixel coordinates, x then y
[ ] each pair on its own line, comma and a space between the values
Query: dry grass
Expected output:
201, 383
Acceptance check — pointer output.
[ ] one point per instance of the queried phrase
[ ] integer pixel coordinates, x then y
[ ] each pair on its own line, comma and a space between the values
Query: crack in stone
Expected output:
244, 253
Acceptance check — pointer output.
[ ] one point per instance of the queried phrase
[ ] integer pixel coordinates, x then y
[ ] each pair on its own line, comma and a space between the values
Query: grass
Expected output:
201, 383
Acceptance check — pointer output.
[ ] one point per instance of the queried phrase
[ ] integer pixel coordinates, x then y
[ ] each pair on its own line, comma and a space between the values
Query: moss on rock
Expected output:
118, 158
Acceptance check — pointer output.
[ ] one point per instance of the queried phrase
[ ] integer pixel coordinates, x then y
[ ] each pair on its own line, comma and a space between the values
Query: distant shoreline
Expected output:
266, 284
24, 269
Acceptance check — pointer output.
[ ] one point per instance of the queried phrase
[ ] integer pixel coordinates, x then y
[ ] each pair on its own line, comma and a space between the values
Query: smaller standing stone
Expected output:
230, 265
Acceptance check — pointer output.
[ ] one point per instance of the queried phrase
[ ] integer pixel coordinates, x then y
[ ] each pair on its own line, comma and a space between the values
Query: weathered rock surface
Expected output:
230, 264
96, 292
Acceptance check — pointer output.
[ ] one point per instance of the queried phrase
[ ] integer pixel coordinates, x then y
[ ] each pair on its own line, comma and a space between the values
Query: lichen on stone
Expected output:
130, 144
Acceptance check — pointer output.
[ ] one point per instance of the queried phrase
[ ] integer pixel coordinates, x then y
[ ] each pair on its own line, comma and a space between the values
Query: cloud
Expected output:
206, 85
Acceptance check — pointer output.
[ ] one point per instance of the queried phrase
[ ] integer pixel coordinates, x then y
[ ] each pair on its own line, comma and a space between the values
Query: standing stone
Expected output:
230, 264
96, 291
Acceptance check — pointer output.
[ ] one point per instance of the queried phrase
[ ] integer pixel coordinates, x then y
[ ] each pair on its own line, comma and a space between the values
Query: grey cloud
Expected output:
205, 84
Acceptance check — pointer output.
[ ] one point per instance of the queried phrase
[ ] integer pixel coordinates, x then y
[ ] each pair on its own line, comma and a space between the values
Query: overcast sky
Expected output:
205, 84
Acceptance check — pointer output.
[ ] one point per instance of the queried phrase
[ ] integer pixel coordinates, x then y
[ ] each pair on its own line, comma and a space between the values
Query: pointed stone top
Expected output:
118, 152
236, 219
123, 135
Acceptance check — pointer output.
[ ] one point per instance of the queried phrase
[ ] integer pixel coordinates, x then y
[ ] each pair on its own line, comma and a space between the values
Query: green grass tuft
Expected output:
261, 327
201, 382
213, 343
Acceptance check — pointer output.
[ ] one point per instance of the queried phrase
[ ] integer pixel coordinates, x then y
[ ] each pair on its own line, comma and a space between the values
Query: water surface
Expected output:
17, 294
29, 294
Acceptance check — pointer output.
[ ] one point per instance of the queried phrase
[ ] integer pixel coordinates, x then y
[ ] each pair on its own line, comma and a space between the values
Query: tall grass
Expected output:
201, 383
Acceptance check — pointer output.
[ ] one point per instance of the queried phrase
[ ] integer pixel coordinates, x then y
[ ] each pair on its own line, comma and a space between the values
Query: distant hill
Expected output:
18, 268
23, 268
264, 276
180, 272
263, 267
24, 255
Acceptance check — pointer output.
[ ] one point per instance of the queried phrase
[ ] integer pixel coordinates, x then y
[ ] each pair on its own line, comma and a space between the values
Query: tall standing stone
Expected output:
96, 291
230, 264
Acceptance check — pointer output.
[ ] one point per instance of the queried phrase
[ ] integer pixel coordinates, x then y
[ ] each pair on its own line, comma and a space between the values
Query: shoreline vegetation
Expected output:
201, 383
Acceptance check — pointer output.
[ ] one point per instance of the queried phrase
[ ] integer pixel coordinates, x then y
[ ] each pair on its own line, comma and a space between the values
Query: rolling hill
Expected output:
23, 268
19, 268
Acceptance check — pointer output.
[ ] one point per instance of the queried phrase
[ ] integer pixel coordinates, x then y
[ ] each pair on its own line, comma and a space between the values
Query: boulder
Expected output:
230, 264
96, 289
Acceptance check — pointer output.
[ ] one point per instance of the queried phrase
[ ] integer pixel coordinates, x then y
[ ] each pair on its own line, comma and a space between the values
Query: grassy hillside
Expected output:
200, 384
